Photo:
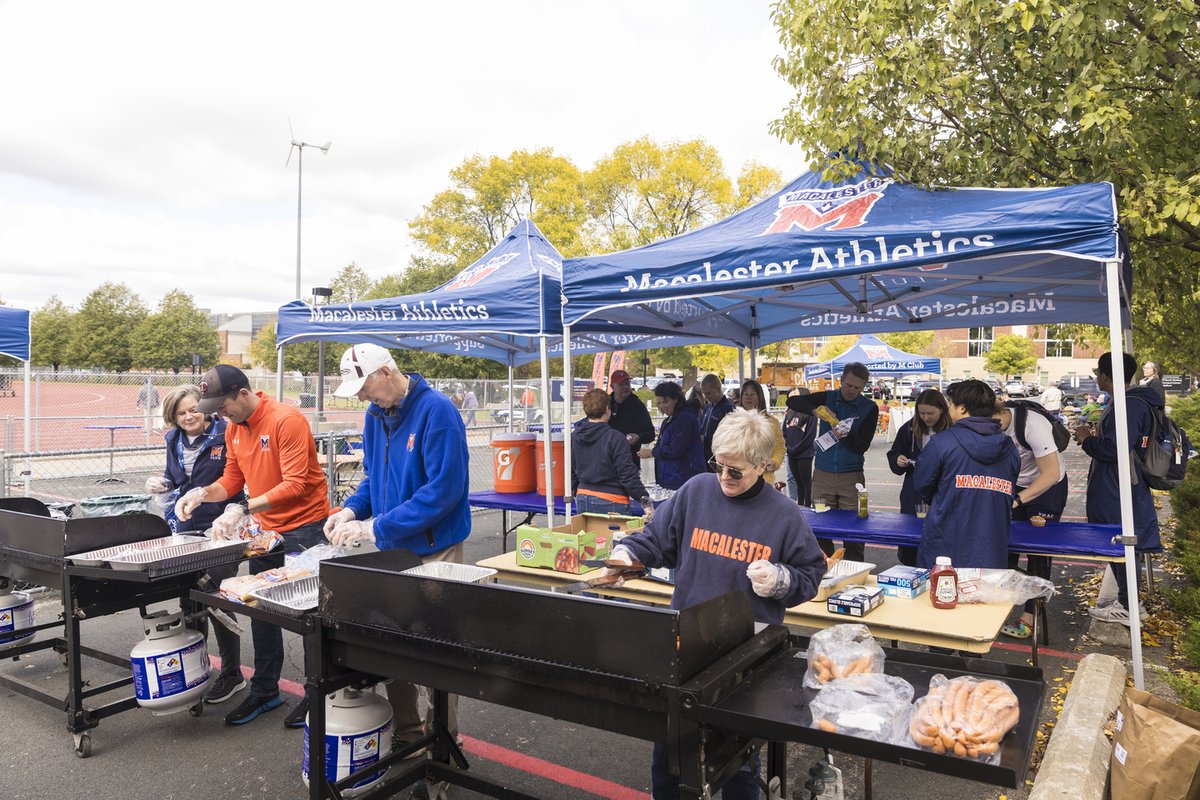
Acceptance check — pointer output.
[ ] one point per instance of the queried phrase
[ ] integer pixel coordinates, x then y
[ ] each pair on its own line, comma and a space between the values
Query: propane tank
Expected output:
16, 614
358, 725
170, 666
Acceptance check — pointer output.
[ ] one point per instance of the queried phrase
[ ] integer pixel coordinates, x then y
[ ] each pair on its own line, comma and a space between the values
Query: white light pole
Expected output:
299, 206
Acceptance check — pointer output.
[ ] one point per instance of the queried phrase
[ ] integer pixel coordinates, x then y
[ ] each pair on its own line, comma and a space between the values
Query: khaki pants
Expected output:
408, 723
838, 490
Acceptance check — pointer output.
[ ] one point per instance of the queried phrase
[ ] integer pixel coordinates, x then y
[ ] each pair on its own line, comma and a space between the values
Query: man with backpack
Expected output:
1041, 484
1103, 492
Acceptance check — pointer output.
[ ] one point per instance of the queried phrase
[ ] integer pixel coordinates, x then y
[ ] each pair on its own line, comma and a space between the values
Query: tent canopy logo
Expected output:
477, 273
875, 352
838, 208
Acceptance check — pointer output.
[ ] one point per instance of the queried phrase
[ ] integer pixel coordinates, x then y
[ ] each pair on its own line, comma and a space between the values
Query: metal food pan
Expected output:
97, 558
189, 557
448, 570
290, 598
843, 573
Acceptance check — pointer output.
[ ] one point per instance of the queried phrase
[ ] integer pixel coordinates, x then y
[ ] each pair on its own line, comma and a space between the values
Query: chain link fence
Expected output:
90, 437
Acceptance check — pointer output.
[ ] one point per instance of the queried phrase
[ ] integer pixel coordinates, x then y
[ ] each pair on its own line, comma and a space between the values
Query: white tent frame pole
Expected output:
28, 433
547, 430
568, 402
1124, 466
510, 393
279, 375
741, 366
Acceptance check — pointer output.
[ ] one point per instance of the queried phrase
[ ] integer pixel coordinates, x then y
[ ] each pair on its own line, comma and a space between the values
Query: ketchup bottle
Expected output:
943, 584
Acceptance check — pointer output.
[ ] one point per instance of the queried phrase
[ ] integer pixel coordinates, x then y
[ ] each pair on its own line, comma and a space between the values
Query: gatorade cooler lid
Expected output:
513, 437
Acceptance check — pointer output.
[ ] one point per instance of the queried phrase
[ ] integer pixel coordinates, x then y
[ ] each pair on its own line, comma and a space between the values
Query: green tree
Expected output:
490, 195
1018, 94
644, 191
910, 341
755, 183
50, 331
351, 284
422, 275
102, 330
299, 357
718, 358
1010, 356
168, 338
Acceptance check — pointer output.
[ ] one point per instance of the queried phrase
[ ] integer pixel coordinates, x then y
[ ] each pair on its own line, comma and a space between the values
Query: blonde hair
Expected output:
171, 401
749, 434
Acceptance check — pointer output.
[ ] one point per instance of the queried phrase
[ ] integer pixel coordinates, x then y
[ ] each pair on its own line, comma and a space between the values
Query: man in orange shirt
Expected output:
270, 452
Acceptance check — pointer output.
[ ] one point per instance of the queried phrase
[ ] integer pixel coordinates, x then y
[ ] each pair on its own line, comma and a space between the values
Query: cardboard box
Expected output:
906, 593
586, 537
902, 576
855, 601
662, 575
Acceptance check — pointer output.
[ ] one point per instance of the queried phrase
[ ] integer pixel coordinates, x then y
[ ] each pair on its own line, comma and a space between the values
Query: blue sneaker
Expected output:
251, 707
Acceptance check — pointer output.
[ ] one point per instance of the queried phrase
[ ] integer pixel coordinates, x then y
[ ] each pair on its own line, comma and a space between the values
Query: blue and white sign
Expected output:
877, 356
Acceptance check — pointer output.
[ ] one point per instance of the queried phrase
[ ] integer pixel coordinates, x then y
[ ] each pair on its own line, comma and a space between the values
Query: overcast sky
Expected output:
144, 142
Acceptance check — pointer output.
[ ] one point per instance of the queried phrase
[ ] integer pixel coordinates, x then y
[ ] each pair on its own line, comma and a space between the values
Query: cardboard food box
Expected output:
586, 537
855, 601
902, 581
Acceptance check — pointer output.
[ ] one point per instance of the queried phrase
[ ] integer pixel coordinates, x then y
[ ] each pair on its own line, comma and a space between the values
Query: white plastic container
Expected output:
16, 614
170, 666
358, 726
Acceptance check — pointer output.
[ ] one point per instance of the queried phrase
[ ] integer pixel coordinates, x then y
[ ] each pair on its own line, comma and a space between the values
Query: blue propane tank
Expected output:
16, 614
358, 726
170, 666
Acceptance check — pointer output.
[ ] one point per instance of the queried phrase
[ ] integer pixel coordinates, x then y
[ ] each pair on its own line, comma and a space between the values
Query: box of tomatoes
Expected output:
585, 537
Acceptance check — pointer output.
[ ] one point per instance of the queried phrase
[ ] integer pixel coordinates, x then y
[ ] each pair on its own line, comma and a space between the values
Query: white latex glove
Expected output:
620, 557
337, 518
186, 505
349, 534
156, 484
767, 579
225, 527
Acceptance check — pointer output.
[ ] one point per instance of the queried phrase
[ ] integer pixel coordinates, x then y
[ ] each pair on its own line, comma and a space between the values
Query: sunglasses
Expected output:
721, 469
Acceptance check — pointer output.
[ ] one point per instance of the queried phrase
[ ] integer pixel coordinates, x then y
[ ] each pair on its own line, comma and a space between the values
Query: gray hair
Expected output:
171, 401
749, 434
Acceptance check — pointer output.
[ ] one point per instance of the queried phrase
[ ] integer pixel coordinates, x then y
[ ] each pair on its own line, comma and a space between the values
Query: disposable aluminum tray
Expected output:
98, 558
844, 573
290, 598
190, 557
448, 570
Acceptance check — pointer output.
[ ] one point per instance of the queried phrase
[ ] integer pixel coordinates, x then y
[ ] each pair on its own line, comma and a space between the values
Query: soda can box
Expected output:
855, 601
903, 577
907, 593
662, 575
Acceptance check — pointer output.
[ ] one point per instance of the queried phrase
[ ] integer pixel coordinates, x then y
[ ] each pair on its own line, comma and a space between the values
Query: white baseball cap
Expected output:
357, 363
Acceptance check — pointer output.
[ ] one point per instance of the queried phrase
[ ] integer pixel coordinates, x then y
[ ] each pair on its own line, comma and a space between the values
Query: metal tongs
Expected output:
625, 572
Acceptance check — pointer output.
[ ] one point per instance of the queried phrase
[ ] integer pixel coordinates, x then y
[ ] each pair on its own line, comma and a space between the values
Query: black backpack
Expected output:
1165, 461
1021, 409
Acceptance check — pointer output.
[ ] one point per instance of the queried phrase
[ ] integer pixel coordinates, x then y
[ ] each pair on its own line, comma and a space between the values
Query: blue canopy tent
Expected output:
504, 307
870, 255
15, 341
877, 356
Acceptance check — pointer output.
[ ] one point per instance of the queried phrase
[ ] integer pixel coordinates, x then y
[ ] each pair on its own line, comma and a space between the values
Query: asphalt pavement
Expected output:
179, 757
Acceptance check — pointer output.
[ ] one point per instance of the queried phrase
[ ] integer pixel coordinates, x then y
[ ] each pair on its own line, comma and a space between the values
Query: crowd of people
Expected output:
971, 463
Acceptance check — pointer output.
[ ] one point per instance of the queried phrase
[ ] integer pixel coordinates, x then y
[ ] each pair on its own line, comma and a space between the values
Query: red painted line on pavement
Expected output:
550, 771
1024, 648
505, 757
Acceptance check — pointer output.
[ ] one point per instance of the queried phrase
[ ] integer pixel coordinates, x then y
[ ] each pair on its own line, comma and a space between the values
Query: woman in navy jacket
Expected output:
933, 415
196, 457
679, 453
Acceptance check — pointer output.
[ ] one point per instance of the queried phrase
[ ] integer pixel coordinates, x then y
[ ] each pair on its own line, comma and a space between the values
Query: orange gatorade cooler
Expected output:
556, 445
513, 463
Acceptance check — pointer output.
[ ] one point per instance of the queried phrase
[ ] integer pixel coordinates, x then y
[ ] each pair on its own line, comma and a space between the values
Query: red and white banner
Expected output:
618, 362
598, 375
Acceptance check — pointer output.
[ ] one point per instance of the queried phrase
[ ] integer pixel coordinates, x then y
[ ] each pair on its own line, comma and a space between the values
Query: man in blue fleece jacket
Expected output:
414, 491
968, 474
730, 532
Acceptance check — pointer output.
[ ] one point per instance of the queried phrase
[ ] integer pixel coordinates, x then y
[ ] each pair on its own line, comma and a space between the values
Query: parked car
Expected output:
921, 386
1015, 389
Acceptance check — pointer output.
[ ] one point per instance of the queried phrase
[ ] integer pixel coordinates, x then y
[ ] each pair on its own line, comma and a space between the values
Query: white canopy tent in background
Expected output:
873, 255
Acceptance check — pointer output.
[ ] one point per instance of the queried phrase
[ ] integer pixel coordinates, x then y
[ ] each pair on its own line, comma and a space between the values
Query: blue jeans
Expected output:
665, 786
586, 504
268, 638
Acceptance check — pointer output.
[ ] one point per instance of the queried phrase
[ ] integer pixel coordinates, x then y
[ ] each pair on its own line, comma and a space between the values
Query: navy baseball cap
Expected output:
217, 384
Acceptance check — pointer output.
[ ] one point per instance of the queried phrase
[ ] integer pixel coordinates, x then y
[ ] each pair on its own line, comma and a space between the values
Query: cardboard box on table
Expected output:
564, 548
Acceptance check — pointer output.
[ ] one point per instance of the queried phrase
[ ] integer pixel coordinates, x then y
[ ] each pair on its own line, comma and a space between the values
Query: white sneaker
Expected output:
1111, 613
